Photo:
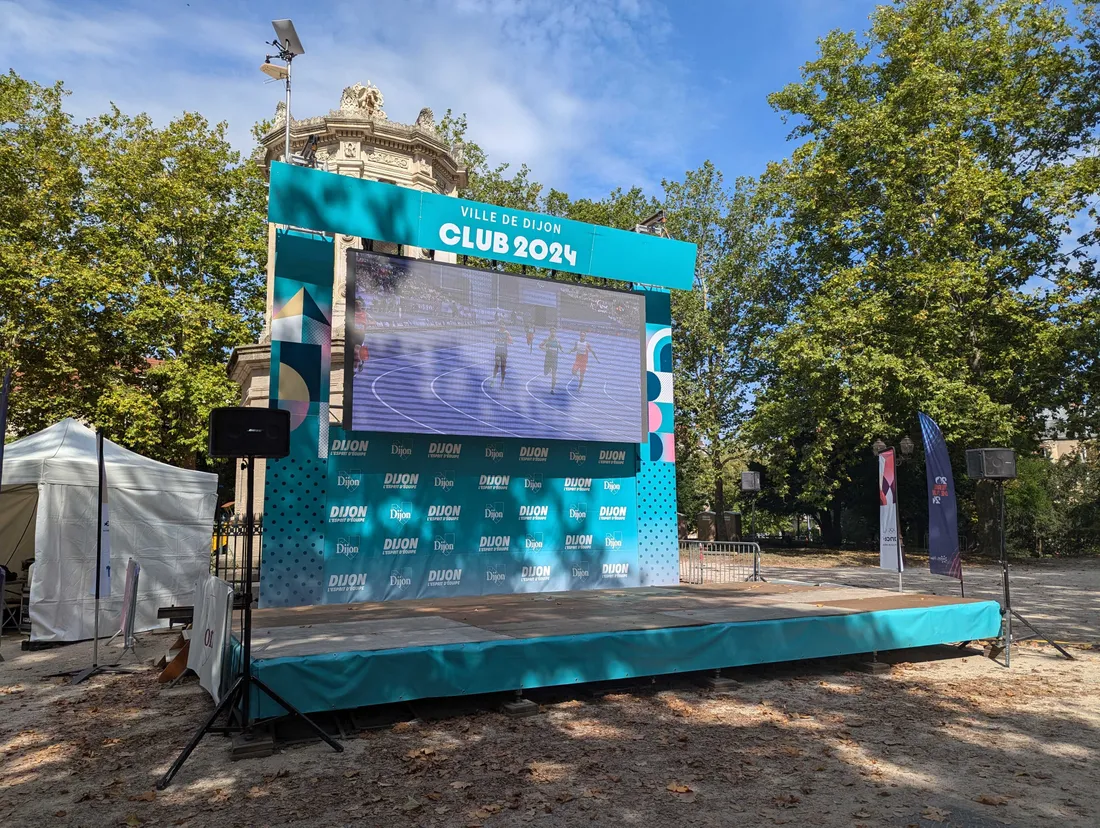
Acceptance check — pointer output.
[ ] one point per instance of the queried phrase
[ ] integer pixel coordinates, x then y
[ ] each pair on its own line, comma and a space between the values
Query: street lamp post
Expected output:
289, 47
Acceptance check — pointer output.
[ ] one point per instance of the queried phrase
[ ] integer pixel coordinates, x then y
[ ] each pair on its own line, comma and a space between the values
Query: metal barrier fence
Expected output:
227, 551
719, 562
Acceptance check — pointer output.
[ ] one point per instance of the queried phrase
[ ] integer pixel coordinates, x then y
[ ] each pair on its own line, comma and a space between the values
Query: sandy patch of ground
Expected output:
953, 741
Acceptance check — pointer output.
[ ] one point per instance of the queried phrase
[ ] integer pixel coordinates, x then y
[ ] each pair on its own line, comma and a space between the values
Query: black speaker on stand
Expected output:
248, 433
999, 465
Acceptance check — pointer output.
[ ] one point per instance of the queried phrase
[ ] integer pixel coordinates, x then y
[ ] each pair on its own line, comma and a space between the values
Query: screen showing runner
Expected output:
443, 349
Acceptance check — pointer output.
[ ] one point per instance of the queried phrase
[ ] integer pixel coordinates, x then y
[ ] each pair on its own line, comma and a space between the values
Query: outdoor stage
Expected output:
347, 656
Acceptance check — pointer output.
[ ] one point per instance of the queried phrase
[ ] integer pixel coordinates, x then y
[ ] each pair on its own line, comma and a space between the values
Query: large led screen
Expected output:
442, 349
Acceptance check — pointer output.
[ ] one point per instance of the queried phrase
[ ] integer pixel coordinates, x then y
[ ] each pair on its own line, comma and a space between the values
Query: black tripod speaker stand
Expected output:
1007, 613
240, 693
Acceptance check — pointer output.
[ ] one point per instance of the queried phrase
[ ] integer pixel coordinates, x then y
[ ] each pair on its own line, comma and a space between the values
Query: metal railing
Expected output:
719, 562
227, 551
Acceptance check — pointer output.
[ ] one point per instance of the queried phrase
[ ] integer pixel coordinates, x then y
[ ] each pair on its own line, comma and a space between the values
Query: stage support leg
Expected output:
873, 666
519, 707
719, 683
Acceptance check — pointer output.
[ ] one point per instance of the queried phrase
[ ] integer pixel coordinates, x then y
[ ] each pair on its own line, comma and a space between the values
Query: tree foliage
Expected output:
132, 262
939, 169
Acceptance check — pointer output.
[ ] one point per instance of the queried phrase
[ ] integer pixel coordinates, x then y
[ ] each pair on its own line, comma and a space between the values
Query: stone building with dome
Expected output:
359, 140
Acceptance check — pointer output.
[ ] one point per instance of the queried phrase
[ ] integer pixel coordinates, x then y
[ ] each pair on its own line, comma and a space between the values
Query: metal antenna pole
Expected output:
286, 142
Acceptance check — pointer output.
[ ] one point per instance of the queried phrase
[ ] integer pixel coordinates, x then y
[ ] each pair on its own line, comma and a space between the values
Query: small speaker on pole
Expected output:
240, 431
750, 481
990, 464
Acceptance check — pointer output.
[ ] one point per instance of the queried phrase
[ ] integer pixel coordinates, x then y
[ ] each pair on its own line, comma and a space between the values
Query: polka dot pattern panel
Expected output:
292, 566
658, 545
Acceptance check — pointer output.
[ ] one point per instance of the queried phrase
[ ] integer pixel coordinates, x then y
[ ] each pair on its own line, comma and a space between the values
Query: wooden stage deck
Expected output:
340, 656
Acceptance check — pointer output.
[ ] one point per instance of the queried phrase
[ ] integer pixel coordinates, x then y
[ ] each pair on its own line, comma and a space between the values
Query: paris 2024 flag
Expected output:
943, 528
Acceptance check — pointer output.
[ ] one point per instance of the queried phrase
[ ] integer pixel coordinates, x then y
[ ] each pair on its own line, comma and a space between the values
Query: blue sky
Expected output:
592, 95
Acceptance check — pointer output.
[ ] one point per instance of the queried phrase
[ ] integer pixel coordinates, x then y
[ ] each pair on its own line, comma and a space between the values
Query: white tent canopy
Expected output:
161, 515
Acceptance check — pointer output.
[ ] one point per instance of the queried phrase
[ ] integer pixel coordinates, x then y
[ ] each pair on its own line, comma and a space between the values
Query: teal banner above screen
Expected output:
327, 202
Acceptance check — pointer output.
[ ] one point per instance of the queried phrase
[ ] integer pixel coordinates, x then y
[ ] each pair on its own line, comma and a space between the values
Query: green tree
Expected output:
941, 163
739, 299
47, 294
133, 277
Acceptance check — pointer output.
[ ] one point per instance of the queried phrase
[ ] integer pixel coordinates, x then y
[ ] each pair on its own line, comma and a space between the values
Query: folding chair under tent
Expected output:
161, 515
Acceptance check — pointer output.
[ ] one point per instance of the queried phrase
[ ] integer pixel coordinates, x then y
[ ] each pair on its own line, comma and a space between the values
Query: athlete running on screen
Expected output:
530, 330
358, 337
500, 358
553, 348
583, 349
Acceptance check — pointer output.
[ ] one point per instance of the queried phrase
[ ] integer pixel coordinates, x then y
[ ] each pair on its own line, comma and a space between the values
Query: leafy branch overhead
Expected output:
131, 262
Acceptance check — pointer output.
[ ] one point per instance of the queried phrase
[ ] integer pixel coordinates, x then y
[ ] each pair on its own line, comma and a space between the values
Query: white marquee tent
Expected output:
161, 515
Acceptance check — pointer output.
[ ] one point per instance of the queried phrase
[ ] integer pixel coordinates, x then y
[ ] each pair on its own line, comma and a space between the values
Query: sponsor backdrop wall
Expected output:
368, 516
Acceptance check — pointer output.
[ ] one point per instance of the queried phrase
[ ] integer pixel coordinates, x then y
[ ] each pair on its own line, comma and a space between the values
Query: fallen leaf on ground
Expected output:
991, 799
411, 804
460, 785
148, 796
935, 814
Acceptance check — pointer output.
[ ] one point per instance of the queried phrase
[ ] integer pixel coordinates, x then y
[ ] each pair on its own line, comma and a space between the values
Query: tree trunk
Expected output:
830, 527
720, 508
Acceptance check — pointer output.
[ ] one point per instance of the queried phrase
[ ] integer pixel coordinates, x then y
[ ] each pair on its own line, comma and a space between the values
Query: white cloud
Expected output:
580, 91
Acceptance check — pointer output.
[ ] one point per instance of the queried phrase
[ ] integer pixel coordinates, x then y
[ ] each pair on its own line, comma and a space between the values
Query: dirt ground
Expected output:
948, 737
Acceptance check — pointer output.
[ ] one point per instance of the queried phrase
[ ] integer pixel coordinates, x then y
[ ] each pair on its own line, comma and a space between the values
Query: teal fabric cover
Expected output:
354, 679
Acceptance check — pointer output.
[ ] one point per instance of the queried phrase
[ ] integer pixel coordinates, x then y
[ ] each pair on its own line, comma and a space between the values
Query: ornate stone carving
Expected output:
442, 181
280, 112
351, 149
388, 158
426, 120
363, 100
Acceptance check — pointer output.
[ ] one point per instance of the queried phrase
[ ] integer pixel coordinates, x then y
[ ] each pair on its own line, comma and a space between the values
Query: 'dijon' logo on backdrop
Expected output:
347, 582
444, 451
527, 512
348, 448
347, 514
348, 547
400, 546
349, 480
445, 512
533, 454
494, 512
401, 480
401, 512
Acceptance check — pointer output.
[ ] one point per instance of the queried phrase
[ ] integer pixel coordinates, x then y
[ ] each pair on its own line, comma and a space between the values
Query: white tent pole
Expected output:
98, 546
